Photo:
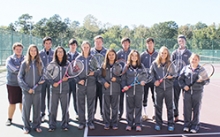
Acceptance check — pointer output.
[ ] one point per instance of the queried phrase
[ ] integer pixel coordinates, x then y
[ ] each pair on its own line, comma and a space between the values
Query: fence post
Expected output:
212, 48
12, 40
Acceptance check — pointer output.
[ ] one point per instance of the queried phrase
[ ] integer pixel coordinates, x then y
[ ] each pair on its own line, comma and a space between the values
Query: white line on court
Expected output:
85, 131
168, 135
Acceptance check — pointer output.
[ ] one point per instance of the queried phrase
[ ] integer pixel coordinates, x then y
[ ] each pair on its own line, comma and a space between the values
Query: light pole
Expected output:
30, 27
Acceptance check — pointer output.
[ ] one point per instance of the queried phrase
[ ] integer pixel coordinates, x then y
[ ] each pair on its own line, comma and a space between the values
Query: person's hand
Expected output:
186, 88
91, 73
41, 82
31, 91
65, 78
113, 79
169, 77
125, 88
81, 82
142, 83
199, 80
56, 84
106, 85
157, 83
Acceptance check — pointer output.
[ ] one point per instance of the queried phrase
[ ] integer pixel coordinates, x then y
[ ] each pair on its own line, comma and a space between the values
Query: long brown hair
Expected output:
37, 59
106, 61
158, 60
129, 61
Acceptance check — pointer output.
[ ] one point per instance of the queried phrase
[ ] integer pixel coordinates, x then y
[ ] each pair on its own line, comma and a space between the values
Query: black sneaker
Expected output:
66, 129
91, 126
81, 126
8, 123
106, 127
51, 129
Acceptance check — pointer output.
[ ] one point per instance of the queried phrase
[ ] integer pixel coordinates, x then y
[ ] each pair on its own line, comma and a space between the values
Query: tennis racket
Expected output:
96, 62
74, 68
119, 67
206, 72
142, 75
52, 71
173, 69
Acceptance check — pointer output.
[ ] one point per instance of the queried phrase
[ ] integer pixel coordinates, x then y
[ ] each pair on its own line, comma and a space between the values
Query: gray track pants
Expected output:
27, 101
110, 108
160, 95
55, 97
192, 103
83, 92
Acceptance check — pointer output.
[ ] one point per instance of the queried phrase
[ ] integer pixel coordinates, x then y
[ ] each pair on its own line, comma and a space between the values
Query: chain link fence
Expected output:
204, 47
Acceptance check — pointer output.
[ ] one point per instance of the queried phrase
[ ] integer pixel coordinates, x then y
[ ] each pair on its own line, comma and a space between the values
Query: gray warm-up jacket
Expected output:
176, 55
63, 86
189, 78
114, 88
46, 57
89, 80
121, 54
147, 59
159, 72
94, 51
28, 79
13, 65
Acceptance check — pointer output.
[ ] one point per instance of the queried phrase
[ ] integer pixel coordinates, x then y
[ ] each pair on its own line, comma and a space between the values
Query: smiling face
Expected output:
164, 54
85, 48
194, 60
18, 50
60, 53
33, 52
182, 43
134, 57
111, 56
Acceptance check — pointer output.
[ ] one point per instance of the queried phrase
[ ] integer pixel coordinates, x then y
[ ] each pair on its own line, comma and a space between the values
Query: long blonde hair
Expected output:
37, 59
158, 60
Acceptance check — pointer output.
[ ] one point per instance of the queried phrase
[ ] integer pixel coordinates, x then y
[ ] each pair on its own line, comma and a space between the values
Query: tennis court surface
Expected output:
209, 117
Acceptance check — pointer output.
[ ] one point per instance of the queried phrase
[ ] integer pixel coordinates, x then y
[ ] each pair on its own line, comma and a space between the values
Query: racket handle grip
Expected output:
35, 87
124, 90
59, 81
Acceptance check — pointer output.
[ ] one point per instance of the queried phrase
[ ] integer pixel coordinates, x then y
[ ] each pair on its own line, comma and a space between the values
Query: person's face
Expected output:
73, 47
86, 48
125, 45
181, 42
60, 53
164, 54
150, 45
48, 44
18, 51
33, 52
111, 56
98, 43
194, 61
134, 57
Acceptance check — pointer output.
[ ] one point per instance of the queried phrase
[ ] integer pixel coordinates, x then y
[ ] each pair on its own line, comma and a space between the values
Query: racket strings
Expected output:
117, 69
76, 68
